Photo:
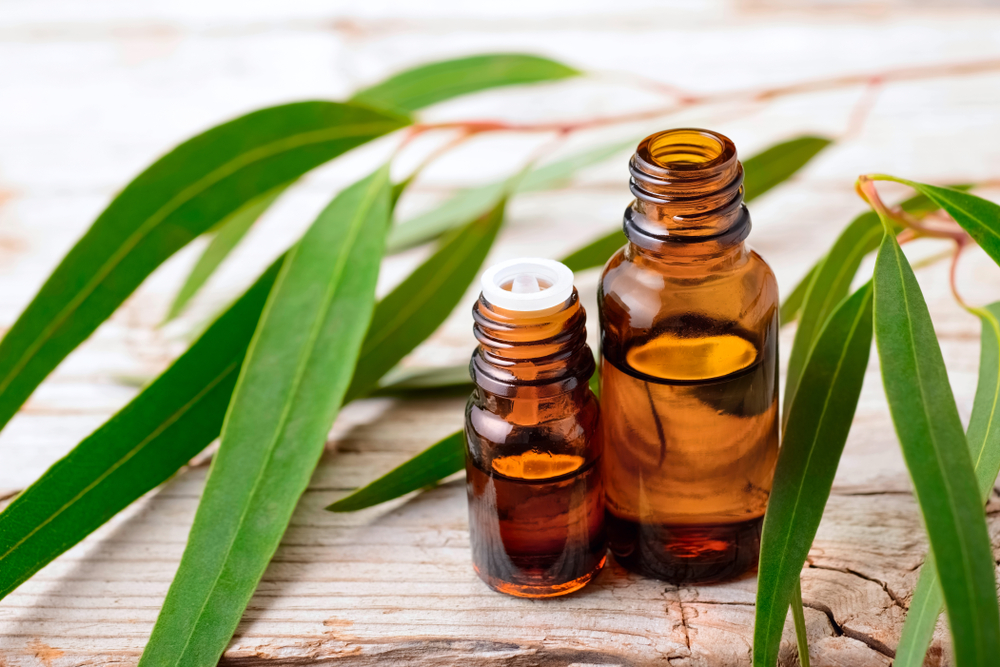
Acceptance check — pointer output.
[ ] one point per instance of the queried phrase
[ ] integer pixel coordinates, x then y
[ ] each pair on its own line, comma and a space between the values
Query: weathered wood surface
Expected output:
92, 95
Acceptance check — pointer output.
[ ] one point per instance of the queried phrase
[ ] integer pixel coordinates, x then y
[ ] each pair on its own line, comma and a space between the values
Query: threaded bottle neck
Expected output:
688, 185
545, 351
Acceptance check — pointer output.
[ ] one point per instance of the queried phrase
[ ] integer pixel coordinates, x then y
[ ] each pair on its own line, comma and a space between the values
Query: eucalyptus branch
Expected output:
685, 99
865, 187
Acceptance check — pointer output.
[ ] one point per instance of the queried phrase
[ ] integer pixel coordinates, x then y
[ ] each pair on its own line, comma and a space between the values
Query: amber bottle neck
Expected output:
531, 354
688, 187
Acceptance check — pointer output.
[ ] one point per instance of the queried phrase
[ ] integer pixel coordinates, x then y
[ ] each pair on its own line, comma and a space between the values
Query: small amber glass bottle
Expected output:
536, 503
689, 385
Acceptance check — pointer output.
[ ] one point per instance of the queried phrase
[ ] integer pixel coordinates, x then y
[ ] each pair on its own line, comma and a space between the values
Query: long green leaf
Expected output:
179, 197
436, 82
983, 436
934, 447
144, 444
818, 424
801, 632
980, 217
428, 467
289, 391
832, 282
473, 202
178, 415
775, 165
762, 172
418, 306
228, 233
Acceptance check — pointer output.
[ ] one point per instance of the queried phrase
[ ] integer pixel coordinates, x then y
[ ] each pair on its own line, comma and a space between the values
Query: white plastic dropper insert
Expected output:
534, 284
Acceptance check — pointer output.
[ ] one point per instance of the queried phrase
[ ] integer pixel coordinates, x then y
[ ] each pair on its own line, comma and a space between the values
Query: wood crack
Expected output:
684, 620
841, 629
883, 585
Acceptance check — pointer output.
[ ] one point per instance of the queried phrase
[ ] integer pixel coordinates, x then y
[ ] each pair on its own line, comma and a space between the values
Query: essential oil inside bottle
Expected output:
689, 385
536, 501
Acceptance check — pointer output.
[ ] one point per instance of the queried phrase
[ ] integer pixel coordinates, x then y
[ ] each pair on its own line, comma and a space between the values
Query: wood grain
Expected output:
101, 93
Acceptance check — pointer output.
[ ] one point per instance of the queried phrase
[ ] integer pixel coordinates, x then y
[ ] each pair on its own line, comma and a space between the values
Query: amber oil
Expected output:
689, 386
533, 463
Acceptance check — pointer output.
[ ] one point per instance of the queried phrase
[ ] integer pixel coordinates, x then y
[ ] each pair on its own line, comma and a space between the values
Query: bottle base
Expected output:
540, 590
685, 553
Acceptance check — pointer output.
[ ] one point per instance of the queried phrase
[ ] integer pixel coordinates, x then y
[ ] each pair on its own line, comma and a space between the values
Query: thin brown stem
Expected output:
684, 100
866, 189
437, 153
862, 108
953, 272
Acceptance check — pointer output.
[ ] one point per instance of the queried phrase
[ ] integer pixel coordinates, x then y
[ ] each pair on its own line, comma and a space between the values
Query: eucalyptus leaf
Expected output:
801, 634
775, 165
979, 217
149, 440
228, 233
179, 197
473, 202
762, 172
814, 437
430, 466
832, 281
418, 306
429, 84
934, 448
290, 389
983, 436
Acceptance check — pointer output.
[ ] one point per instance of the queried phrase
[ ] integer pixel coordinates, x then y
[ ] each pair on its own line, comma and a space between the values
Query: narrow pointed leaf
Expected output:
775, 165
980, 217
934, 447
418, 306
436, 82
290, 389
179, 197
416, 381
832, 282
983, 436
762, 172
473, 202
595, 253
144, 444
228, 234
428, 467
454, 212
814, 437
801, 632
149, 440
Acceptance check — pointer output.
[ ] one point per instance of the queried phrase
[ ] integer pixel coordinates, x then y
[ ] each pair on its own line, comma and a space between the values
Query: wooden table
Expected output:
93, 95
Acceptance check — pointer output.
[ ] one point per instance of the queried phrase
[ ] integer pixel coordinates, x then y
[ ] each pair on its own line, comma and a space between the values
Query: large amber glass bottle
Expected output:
689, 385
533, 458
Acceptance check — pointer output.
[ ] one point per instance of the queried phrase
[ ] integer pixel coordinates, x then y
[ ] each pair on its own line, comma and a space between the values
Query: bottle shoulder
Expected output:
639, 294
550, 426
630, 272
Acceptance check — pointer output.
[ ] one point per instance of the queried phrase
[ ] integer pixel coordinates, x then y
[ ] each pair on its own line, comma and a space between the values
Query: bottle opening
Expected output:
527, 284
686, 149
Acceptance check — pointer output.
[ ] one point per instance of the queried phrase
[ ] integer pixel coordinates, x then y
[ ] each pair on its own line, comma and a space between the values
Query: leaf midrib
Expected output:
812, 448
352, 235
931, 432
966, 213
185, 195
